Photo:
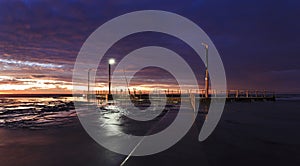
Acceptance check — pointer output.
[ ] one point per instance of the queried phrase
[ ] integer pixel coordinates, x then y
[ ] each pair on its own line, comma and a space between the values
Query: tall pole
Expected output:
111, 61
109, 80
206, 71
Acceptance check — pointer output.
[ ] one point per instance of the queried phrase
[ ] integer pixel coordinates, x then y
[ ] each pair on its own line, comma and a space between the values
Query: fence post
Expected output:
237, 94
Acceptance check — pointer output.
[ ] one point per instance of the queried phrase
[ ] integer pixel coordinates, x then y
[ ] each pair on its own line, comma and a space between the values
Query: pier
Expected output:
194, 94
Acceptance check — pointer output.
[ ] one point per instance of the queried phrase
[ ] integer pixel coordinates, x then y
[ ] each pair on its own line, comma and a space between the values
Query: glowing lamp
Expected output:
111, 61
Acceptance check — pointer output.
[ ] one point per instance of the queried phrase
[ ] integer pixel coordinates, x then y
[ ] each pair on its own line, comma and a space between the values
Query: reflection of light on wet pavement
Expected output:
111, 123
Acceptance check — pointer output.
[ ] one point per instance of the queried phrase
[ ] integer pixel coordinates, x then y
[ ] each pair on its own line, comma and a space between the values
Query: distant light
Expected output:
111, 61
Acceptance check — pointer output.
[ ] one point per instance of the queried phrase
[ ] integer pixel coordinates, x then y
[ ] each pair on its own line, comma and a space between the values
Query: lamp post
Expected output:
111, 61
206, 71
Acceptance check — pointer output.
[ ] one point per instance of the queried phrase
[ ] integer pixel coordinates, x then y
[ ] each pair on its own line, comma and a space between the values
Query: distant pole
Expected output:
88, 95
206, 71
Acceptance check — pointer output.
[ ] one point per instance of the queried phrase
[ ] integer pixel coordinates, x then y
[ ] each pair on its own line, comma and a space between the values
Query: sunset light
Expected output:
149, 83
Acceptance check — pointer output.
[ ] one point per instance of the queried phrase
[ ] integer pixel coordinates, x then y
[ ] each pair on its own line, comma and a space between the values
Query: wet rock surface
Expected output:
36, 113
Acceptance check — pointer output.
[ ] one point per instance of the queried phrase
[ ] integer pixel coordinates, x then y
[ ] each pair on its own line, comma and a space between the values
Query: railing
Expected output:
230, 94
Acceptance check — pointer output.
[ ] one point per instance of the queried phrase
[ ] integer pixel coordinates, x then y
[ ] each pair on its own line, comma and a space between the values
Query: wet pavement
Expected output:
262, 133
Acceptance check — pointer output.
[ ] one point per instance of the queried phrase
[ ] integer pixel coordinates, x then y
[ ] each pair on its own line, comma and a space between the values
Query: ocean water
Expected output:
288, 97
36, 112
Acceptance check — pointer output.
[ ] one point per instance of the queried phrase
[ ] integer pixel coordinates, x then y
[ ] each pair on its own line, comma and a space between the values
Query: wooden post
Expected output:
237, 94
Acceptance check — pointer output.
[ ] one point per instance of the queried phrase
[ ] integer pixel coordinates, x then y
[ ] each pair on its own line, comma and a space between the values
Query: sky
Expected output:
258, 41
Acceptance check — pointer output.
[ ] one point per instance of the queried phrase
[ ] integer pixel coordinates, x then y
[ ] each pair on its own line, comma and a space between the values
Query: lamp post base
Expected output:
109, 97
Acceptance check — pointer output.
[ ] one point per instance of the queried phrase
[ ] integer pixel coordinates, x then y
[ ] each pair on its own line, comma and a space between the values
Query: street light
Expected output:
111, 61
206, 71
206, 53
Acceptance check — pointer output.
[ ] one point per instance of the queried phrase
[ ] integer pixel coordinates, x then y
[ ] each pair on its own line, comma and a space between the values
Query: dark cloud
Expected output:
255, 38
